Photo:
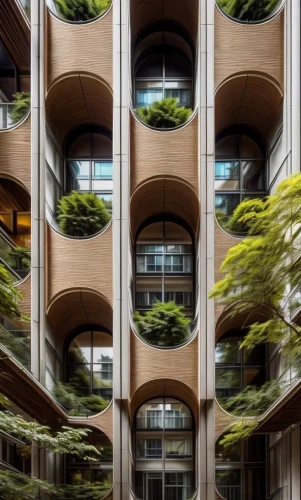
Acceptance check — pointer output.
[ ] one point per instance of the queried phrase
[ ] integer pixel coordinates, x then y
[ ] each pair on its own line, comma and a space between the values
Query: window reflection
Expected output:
237, 368
164, 442
239, 173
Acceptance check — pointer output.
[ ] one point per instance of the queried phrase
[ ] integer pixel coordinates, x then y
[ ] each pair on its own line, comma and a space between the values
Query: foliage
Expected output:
164, 325
164, 114
81, 10
75, 404
67, 440
23, 254
10, 297
21, 102
248, 10
240, 430
16, 486
18, 344
81, 214
261, 270
253, 401
244, 215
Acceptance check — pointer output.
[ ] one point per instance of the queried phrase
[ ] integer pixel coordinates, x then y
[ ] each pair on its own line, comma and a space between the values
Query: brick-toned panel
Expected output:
171, 153
240, 47
150, 364
86, 47
79, 263
25, 289
15, 153
104, 422
222, 420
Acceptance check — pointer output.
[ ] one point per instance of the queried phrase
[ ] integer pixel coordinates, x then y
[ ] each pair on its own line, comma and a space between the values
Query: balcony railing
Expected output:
6, 109
172, 423
18, 343
25, 6
14, 263
230, 492
278, 494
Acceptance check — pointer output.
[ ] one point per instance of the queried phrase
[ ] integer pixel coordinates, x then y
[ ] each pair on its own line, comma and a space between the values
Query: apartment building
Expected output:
153, 406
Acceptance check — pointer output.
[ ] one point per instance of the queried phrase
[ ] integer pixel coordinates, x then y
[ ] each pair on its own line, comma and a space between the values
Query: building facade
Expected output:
153, 405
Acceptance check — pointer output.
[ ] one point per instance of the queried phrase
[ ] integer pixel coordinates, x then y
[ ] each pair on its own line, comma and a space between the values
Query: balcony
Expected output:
17, 341
15, 259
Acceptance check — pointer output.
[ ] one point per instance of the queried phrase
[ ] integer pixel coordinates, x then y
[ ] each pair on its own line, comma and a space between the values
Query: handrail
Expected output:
17, 344
277, 495
12, 262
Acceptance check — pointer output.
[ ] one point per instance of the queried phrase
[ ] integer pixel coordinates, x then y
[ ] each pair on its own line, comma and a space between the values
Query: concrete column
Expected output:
121, 197
206, 243
295, 72
37, 189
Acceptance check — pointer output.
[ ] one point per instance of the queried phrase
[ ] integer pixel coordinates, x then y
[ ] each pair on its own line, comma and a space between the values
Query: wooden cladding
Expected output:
164, 153
174, 366
250, 99
164, 195
183, 12
77, 48
104, 421
252, 47
79, 263
15, 154
15, 34
79, 99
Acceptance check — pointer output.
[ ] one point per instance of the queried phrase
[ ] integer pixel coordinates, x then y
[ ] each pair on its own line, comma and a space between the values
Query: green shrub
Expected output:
248, 10
253, 401
21, 102
81, 10
81, 214
22, 254
164, 325
244, 216
75, 404
164, 114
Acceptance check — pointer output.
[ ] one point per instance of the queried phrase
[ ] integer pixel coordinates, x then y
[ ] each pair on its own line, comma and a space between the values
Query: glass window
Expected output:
146, 97
90, 364
168, 448
103, 170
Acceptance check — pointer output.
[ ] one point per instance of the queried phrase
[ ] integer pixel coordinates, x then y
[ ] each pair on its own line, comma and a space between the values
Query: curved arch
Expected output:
227, 321
73, 307
264, 19
144, 12
53, 10
252, 99
163, 387
162, 196
76, 99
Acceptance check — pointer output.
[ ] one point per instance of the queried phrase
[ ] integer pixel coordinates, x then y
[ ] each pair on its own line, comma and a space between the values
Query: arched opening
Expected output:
163, 283
164, 450
97, 476
248, 119
240, 470
79, 352
237, 368
163, 67
164, 36
15, 228
14, 91
240, 173
88, 162
250, 12
80, 11
79, 154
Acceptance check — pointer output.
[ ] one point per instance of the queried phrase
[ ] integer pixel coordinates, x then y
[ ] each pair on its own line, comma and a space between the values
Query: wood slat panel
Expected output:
164, 153
80, 47
159, 195
254, 47
15, 34
25, 289
78, 263
184, 12
15, 154
165, 387
149, 364
104, 422
249, 99
222, 420
76, 307
79, 99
